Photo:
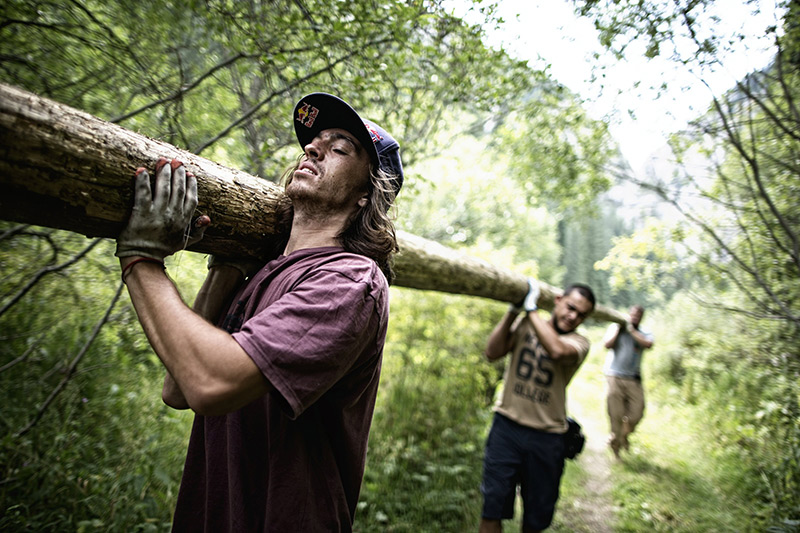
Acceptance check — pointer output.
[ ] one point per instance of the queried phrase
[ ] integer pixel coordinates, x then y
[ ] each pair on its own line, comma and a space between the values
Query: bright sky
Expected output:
546, 31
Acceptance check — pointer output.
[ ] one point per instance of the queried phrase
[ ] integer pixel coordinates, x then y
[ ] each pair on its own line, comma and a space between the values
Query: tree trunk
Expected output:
65, 169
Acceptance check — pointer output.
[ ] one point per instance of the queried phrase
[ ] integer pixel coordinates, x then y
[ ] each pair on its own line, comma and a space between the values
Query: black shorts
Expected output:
519, 455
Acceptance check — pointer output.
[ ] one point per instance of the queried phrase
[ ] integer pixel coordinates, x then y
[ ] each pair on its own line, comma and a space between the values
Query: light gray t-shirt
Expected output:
625, 358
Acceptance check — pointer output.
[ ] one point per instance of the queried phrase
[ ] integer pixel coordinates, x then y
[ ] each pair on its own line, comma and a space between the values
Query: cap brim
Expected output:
317, 112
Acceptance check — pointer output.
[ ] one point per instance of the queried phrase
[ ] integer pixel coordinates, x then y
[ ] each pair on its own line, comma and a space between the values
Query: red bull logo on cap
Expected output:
376, 137
307, 114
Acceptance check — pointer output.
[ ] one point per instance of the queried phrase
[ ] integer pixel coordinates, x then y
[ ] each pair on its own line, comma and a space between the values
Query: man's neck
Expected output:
311, 232
553, 323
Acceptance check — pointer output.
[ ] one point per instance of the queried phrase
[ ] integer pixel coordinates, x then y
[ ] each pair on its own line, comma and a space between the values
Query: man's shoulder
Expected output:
580, 341
334, 258
327, 266
575, 334
355, 266
343, 267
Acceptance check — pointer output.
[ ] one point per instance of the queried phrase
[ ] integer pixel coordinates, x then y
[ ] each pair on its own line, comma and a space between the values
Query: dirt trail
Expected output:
594, 507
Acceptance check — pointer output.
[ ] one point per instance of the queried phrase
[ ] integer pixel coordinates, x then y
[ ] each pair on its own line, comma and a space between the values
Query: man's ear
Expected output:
362, 201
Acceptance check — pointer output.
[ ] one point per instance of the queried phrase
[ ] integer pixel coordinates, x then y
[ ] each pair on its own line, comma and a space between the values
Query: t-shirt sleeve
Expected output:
610, 332
516, 330
310, 337
579, 342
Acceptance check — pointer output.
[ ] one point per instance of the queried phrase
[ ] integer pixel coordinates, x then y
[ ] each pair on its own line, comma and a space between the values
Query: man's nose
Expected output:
312, 150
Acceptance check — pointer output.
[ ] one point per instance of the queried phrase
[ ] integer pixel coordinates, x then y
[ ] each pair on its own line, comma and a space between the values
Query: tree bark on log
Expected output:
65, 169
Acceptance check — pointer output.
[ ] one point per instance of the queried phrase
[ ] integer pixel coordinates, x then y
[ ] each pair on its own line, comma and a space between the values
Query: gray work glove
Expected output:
531, 300
246, 266
160, 222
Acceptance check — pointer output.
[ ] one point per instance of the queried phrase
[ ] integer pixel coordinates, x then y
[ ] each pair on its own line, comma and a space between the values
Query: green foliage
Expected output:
85, 441
748, 231
656, 487
685, 31
555, 150
735, 178
586, 240
469, 203
426, 444
674, 482
223, 76
745, 378
738, 359
650, 263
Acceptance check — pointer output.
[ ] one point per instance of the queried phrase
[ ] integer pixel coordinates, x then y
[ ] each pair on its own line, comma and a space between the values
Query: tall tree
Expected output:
734, 182
200, 74
745, 142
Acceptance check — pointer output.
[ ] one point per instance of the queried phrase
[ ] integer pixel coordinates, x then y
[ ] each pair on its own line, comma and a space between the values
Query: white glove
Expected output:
531, 300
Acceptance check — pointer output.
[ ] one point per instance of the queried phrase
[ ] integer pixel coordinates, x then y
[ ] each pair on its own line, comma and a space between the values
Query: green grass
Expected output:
672, 482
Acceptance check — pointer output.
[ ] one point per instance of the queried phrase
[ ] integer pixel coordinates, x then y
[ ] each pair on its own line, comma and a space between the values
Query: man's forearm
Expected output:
610, 341
498, 344
640, 339
219, 285
215, 293
171, 393
550, 339
208, 366
166, 319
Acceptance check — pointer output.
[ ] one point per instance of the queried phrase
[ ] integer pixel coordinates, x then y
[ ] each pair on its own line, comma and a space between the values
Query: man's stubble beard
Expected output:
311, 206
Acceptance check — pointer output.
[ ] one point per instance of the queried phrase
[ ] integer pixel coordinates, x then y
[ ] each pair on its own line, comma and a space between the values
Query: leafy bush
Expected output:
744, 376
85, 442
426, 444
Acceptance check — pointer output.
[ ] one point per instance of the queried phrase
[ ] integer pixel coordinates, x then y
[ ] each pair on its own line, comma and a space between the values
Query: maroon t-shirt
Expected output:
292, 461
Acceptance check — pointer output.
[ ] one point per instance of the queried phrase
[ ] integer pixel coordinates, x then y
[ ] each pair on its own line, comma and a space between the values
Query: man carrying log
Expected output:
284, 387
623, 369
526, 444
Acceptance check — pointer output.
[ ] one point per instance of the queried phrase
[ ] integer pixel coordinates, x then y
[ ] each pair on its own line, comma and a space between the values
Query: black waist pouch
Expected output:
573, 439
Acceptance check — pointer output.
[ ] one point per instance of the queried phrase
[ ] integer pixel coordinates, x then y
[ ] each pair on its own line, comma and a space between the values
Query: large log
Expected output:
65, 169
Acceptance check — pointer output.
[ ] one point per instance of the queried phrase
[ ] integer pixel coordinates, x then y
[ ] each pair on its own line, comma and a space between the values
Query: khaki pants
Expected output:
625, 401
